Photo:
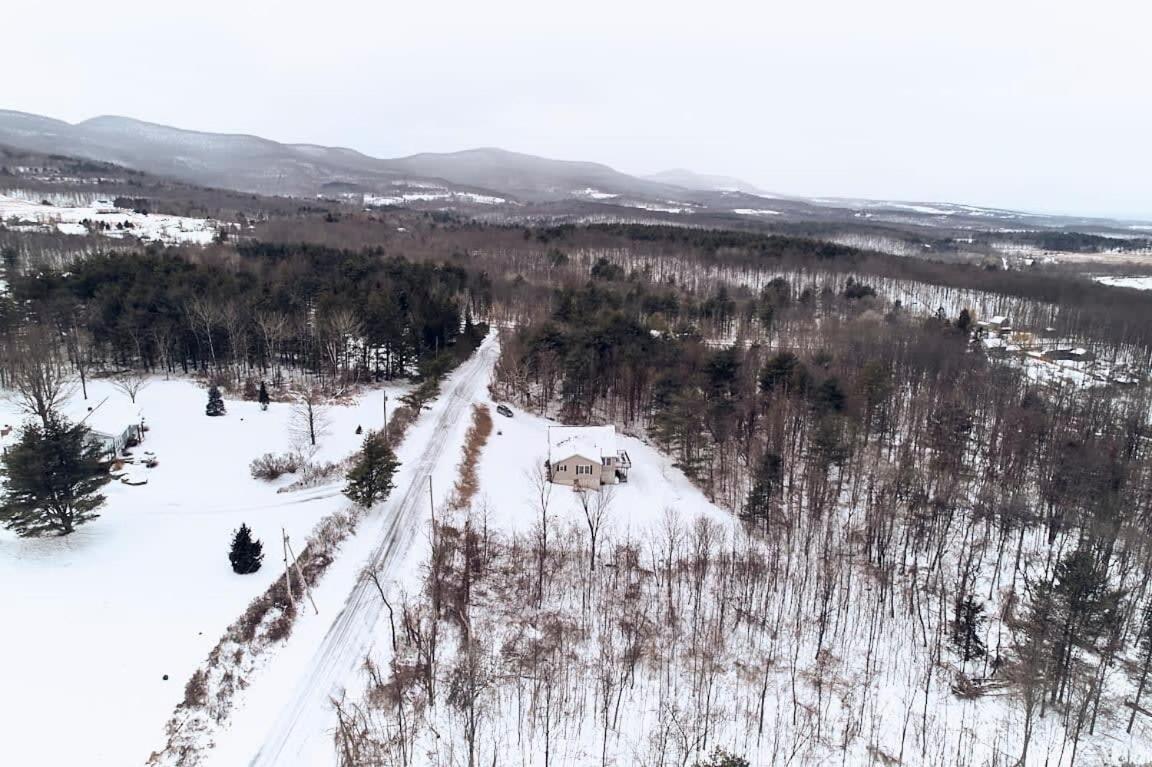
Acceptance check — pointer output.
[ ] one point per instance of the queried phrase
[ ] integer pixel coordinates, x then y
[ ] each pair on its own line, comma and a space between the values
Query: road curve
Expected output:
352, 632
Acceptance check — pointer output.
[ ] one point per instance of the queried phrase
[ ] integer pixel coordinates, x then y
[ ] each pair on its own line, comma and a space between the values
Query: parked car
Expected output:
504, 410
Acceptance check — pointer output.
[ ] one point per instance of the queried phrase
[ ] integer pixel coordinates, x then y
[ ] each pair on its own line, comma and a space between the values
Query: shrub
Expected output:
196, 691
270, 466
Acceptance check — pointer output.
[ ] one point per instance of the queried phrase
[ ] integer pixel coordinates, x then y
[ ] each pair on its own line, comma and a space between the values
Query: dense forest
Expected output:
332, 313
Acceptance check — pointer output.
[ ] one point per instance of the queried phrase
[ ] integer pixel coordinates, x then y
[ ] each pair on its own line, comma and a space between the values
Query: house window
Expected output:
583, 469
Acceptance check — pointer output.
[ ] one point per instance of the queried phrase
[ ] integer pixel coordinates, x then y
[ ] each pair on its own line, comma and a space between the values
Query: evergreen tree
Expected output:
721, 758
1070, 613
964, 321
769, 476
370, 480
828, 397
215, 402
966, 624
54, 474
783, 370
247, 553
469, 326
262, 397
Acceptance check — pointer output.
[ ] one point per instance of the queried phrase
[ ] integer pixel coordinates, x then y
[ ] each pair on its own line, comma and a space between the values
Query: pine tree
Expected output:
54, 474
779, 371
828, 397
966, 625
215, 402
370, 480
247, 553
758, 506
964, 321
262, 397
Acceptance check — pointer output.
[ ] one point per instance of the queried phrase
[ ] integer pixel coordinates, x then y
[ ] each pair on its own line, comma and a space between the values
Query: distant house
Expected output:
585, 456
1075, 355
997, 325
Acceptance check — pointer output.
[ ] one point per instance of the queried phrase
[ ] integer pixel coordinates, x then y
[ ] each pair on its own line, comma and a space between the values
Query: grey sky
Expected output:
1036, 105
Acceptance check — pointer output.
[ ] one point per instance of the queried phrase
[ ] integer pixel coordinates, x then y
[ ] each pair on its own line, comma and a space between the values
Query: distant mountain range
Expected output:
486, 176
705, 182
253, 164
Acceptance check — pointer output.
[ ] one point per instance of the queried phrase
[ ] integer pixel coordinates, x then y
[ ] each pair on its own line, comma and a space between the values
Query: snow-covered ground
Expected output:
372, 200
25, 214
1139, 283
516, 448
669, 206
146, 590
285, 715
594, 194
756, 212
520, 445
868, 685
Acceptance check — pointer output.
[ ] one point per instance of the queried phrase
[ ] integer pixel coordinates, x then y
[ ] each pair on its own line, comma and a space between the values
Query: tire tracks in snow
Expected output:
352, 634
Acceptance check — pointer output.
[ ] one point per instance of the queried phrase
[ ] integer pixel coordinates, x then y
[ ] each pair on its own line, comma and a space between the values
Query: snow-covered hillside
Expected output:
104, 218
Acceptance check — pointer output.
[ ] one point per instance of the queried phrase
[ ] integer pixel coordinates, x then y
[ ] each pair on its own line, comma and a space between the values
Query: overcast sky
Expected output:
1043, 106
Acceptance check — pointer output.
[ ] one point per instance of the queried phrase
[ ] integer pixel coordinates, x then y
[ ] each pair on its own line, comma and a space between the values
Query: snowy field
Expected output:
26, 215
375, 201
146, 590
1138, 283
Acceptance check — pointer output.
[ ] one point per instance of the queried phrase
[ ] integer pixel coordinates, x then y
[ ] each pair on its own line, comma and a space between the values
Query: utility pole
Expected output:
385, 427
300, 575
287, 569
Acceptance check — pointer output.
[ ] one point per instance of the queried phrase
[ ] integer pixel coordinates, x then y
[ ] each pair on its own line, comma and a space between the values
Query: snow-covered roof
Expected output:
109, 415
592, 442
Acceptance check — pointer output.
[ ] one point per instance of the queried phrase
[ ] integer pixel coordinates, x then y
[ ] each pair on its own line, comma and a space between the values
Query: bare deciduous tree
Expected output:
131, 382
309, 420
273, 328
78, 345
338, 329
203, 316
595, 504
40, 381
542, 498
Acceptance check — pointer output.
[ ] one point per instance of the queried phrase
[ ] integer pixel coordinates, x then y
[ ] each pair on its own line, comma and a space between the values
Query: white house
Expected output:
113, 422
585, 456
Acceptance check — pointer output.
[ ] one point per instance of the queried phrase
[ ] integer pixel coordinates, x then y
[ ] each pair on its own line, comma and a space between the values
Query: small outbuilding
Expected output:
585, 457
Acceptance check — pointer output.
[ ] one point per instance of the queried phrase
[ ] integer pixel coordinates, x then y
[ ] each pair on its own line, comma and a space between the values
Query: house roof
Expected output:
592, 442
110, 415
